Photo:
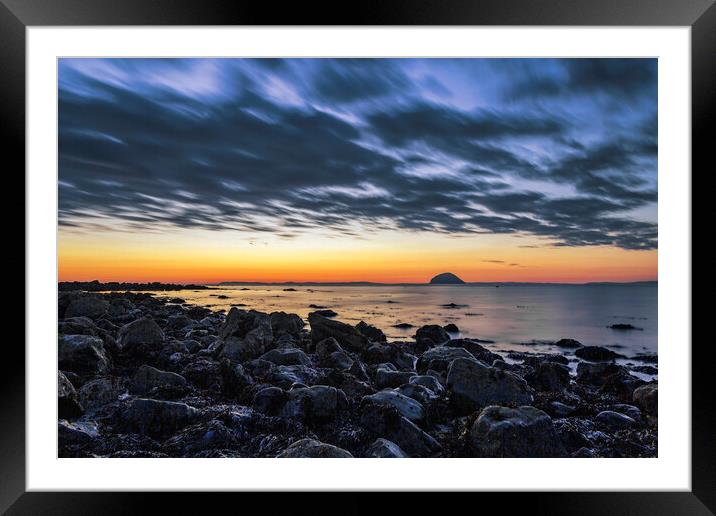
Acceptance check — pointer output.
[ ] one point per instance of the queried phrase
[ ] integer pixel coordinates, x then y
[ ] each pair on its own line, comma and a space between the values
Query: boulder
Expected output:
315, 404
285, 376
559, 409
384, 449
431, 335
141, 335
285, 324
87, 306
473, 385
68, 404
596, 374
614, 420
286, 357
475, 348
269, 401
154, 417
548, 377
346, 335
371, 332
622, 385
628, 410
179, 321
79, 432
245, 334
390, 353
147, 378
310, 448
407, 407
82, 354
428, 381
451, 328
101, 391
386, 421
515, 432
647, 398
596, 353
387, 377
439, 358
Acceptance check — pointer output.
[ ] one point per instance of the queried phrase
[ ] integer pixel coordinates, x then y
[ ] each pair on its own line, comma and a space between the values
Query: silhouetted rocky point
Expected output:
141, 376
446, 278
97, 286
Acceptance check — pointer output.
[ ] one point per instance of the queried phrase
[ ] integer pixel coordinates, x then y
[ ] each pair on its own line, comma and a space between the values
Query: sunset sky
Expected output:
386, 170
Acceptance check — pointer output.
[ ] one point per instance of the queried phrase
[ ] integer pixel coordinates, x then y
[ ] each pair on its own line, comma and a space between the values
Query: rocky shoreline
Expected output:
144, 376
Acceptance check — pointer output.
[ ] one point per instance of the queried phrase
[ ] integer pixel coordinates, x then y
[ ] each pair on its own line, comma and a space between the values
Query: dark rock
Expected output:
88, 306
474, 385
371, 332
622, 385
446, 278
147, 378
403, 326
385, 420
384, 449
68, 404
283, 323
310, 448
390, 353
596, 353
386, 377
75, 433
194, 439
596, 374
428, 381
156, 417
451, 328
568, 343
548, 376
324, 313
203, 371
407, 407
559, 409
615, 420
346, 335
478, 351
286, 357
515, 432
285, 376
439, 358
622, 326
431, 335
628, 410
269, 401
647, 398
245, 334
319, 403
101, 391
82, 354
140, 336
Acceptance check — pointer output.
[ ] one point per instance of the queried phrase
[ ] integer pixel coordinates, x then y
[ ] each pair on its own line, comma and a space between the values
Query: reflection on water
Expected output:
521, 318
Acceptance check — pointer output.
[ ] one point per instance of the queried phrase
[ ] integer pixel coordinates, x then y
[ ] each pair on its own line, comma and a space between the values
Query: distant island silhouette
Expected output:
446, 278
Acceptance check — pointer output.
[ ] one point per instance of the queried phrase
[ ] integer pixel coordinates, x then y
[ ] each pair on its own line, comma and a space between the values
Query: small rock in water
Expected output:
451, 328
568, 343
622, 326
596, 353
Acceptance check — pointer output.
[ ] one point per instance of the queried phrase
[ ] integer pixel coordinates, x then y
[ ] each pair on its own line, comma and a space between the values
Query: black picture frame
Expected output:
16, 15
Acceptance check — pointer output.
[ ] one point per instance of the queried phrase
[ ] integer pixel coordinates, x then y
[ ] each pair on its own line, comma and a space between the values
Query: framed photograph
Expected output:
455, 234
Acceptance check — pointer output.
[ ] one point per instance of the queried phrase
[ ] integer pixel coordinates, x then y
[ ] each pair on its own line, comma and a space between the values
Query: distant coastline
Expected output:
467, 283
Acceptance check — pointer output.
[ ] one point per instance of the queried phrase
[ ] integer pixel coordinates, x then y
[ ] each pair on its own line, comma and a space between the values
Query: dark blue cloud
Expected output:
562, 149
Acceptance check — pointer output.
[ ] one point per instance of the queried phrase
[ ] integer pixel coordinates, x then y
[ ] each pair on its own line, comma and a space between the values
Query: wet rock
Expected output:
439, 358
614, 420
286, 357
346, 335
628, 410
647, 398
82, 354
140, 336
621, 385
596, 353
596, 374
515, 432
419, 393
310, 448
386, 421
154, 417
389, 353
147, 378
285, 376
359, 370
101, 391
87, 306
371, 332
431, 335
568, 343
451, 328
559, 409
68, 404
315, 404
285, 324
548, 376
384, 449
473, 385
407, 407
245, 334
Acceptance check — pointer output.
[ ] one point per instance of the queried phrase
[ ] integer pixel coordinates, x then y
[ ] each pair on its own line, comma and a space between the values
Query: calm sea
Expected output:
520, 318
